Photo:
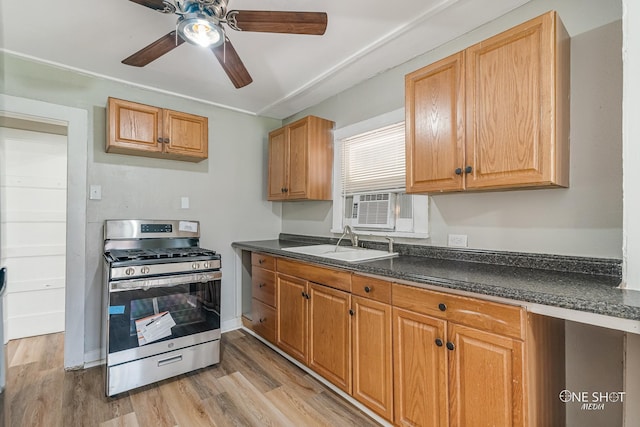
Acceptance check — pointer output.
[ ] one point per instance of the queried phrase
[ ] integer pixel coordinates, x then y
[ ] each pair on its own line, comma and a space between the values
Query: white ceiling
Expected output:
290, 72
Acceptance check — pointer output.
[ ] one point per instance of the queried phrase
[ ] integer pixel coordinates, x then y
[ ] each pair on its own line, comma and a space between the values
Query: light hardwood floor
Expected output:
252, 386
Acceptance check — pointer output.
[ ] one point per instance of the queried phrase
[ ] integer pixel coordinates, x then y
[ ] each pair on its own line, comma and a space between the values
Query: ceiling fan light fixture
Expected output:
200, 29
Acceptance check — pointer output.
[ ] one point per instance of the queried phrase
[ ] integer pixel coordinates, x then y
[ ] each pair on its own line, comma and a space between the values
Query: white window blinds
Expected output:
374, 160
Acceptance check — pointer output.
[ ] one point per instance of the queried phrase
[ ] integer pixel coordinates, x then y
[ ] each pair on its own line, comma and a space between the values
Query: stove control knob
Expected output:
129, 271
206, 264
144, 270
195, 265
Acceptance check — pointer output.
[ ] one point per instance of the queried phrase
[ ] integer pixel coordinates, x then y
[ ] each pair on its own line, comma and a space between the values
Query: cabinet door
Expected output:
330, 335
298, 158
510, 83
133, 127
185, 135
486, 378
278, 164
292, 311
420, 375
372, 355
434, 109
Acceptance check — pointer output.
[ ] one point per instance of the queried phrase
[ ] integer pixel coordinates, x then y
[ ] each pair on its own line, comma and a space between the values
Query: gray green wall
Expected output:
585, 219
227, 192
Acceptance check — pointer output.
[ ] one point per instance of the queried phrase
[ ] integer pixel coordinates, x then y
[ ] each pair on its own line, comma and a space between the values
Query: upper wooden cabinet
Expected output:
494, 116
301, 160
144, 130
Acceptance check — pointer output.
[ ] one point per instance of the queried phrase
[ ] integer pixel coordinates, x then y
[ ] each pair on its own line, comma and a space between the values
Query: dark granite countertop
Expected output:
529, 278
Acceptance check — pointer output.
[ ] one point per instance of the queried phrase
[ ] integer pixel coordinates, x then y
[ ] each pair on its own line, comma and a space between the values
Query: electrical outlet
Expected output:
458, 240
184, 203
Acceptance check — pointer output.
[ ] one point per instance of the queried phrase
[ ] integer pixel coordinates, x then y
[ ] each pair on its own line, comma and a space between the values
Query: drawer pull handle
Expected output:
442, 306
367, 289
450, 345
439, 342
169, 360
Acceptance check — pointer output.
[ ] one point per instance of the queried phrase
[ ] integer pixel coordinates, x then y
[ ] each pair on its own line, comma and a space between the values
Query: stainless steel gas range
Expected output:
162, 302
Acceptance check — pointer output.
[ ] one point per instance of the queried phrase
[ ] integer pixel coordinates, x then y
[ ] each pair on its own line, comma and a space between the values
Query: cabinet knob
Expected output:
450, 345
260, 261
306, 295
160, 140
286, 190
439, 342
282, 189
351, 312
261, 285
367, 289
264, 319
442, 306
468, 169
459, 171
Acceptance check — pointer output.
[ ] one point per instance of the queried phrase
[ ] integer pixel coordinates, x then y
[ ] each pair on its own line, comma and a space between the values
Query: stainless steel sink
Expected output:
343, 253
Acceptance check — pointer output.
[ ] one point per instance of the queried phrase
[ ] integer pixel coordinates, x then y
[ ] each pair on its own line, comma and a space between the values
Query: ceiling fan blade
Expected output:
232, 64
152, 4
155, 50
314, 23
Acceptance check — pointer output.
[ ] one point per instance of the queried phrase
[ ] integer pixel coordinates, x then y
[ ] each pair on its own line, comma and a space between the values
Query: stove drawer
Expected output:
137, 373
263, 285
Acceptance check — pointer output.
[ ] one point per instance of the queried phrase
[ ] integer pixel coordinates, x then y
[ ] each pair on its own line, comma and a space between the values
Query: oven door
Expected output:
154, 315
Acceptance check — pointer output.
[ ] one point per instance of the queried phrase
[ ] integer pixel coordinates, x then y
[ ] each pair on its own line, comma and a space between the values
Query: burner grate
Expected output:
159, 253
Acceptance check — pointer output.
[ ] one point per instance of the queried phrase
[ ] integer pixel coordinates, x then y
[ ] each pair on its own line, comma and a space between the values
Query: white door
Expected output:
33, 197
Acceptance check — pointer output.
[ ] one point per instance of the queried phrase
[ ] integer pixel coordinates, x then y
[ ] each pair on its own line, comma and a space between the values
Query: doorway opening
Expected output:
33, 184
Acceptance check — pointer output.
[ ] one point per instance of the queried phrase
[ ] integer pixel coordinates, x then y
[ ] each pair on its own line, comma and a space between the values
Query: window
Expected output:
369, 180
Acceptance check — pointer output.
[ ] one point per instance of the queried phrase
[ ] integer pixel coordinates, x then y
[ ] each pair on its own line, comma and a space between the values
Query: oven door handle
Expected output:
164, 282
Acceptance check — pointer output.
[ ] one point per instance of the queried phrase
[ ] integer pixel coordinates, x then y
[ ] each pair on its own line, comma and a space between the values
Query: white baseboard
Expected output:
231, 325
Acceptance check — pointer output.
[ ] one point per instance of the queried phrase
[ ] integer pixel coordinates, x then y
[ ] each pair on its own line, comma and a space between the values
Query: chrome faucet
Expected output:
353, 236
390, 244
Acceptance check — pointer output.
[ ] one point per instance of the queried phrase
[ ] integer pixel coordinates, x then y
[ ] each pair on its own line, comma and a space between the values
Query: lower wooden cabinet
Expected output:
292, 331
263, 296
415, 357
486, 374
329, 334
420, 370
455, 366
372, 355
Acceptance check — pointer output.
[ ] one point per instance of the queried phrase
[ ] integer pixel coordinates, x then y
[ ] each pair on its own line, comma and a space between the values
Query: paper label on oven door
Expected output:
188, 226
153, 328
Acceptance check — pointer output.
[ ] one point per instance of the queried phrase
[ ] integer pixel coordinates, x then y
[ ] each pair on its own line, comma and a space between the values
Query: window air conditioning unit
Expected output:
372, 211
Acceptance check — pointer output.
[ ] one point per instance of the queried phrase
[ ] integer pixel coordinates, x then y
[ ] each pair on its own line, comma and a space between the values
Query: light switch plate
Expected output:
184, 203
95, 192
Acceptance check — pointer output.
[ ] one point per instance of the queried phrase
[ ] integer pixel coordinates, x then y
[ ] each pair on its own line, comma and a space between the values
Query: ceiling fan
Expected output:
200, 22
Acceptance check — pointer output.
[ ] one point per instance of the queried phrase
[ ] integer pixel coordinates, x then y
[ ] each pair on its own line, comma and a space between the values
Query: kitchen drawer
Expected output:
263, 285
264, 261
480, 314
263, 320
376, 289
325, 276
137, 373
